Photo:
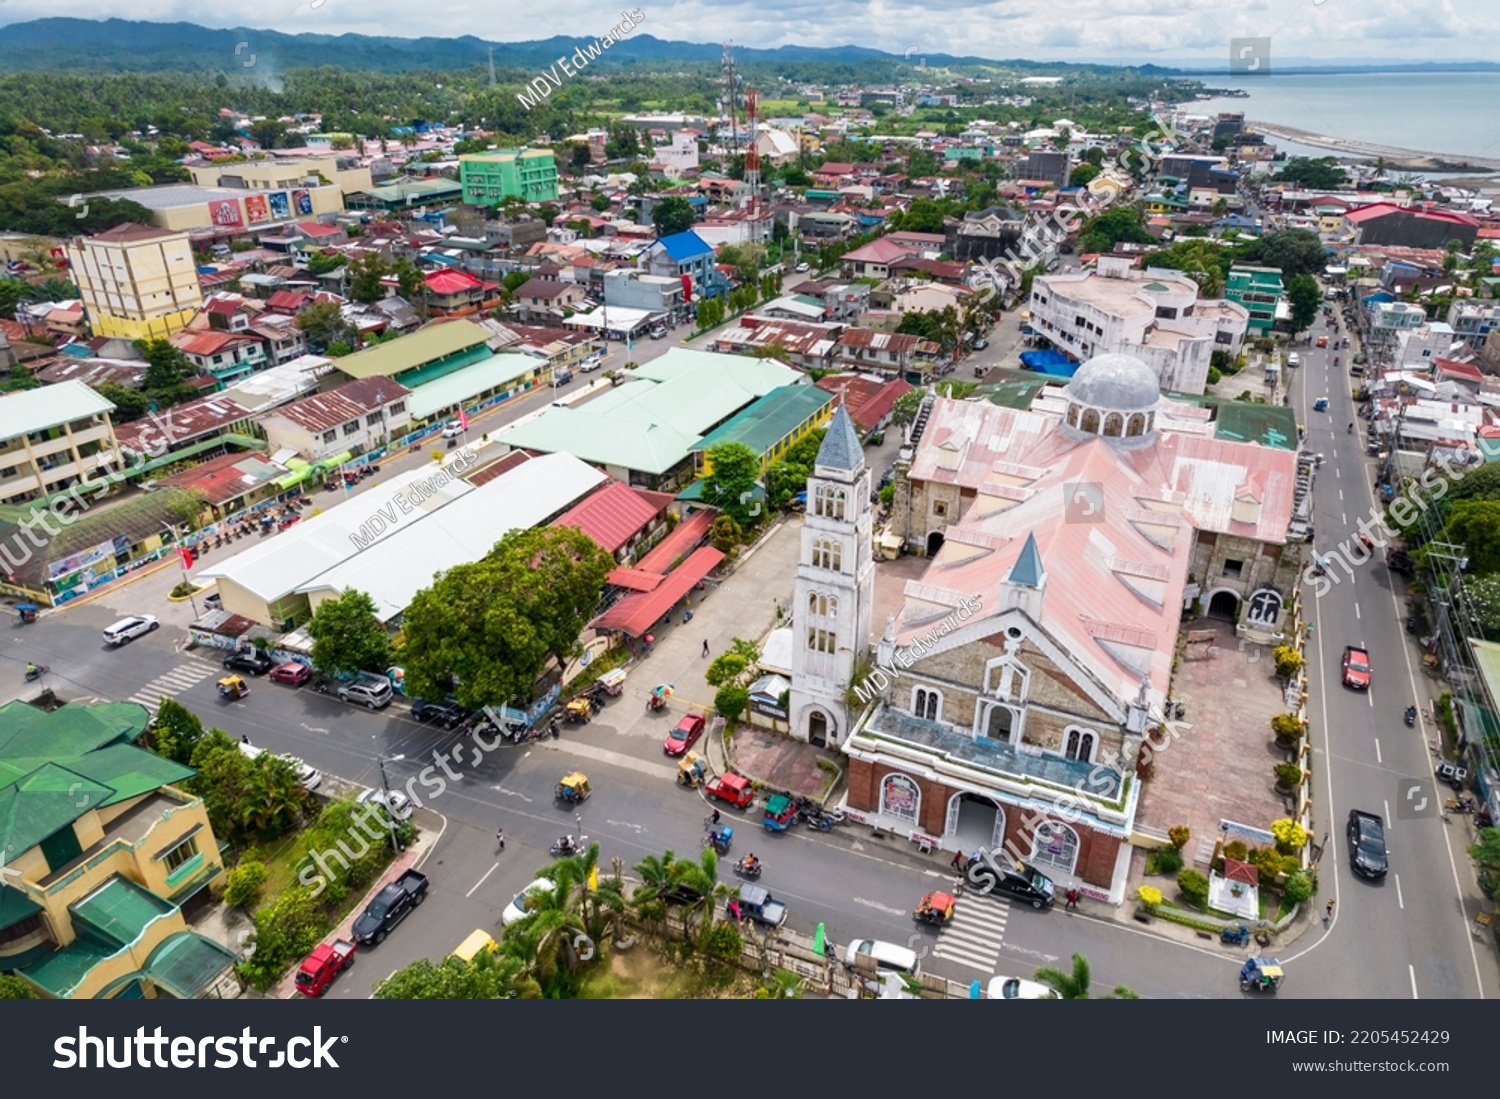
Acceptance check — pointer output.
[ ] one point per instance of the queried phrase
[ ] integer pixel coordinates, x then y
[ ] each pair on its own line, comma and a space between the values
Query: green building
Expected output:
508, 173
1258, 289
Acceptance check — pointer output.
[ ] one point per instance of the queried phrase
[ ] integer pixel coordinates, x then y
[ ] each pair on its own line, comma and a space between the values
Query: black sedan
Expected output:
446, 714
252, 661
1366, 833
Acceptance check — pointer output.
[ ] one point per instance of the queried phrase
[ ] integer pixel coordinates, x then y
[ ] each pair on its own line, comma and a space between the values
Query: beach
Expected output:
1396, 159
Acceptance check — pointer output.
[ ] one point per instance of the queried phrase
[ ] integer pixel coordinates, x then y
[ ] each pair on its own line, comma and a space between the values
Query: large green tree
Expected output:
1202, 259
1318, 173
1119, 224
673, 214
1292, 251
222, 774
486, 630
1475, 525
1305, 299
176, 731
347, 635
323, 324
731, 485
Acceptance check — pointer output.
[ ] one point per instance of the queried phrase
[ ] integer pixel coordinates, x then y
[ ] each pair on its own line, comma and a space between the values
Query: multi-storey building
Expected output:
53, 438
136, 282
489, 177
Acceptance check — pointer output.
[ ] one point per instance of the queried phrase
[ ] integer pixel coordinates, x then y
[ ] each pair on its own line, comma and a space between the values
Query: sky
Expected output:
1164, 32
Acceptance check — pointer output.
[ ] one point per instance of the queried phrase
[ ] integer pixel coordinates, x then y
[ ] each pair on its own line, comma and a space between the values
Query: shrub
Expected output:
1194, 887
1165, 860
1214, 375
1288, 661
1287, 728
1235, 850
1268, 863
183, 590
1299, 887
1291, 837
731, 701
1288, 776
1179, 835
1150, 896
242, 886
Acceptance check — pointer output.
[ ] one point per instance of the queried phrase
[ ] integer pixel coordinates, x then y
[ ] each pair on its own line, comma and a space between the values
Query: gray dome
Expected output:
1119, 382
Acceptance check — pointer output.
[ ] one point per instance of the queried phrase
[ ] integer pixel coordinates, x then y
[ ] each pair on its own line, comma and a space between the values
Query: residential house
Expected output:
354, 417
1259, 290
1472, 321
688, 258
874, 260
633, 289
869, 399
223, 356
453, 293
888, 353
990, 234
624, 522
546, 299
97, 877
808, 346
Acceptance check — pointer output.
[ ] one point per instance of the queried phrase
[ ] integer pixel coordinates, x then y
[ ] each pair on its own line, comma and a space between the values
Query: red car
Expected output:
1356, 668
688, 730
320, 967
291, 672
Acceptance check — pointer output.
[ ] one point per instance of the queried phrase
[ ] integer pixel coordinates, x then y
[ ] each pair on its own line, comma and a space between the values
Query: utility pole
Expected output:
385, 789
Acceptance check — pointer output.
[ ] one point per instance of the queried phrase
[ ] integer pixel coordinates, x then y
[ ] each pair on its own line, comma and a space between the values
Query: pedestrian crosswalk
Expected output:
170, 684
975, 935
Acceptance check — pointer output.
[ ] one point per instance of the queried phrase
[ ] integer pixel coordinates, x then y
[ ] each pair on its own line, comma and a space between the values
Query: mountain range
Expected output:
121, 45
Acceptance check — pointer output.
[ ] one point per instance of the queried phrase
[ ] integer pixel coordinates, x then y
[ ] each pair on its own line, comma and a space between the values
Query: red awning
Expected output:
683, 538
634, 579
636, 614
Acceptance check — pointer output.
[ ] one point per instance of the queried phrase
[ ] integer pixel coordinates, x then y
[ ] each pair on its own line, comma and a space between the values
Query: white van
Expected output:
888, 956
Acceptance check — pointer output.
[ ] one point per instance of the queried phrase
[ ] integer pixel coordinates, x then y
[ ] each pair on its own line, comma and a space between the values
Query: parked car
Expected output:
1367, 855
128, 629
803, 268
658, 333
292, 673
213, 601
1293, 360
250, 660
561, 378
309, 776
319, 968
452, 429
981, 343
688, 730
517, 908
1017, 988
446, 714
1356, 668
396, 804
371, 691
1021, 881
391, 905
758, 905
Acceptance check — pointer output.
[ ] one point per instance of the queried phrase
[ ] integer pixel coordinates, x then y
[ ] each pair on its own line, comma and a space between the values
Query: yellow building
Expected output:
285, 173
136, 282
52, 439
102, 851
231, 211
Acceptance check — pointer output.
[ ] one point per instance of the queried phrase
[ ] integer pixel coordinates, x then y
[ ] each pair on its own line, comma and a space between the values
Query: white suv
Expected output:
128, 629
370, 691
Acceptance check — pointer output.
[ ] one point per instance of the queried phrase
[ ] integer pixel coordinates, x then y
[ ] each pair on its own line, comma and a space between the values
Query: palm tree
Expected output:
552, 936
272, 796
1075, 985
702, 879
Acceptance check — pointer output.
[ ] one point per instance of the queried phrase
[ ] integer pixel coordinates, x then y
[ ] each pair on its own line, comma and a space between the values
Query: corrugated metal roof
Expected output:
38, 409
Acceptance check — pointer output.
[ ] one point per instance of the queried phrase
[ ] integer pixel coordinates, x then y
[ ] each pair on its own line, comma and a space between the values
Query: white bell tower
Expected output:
835, 587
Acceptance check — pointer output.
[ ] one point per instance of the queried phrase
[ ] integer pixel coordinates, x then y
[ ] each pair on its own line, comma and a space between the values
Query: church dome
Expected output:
1119, 382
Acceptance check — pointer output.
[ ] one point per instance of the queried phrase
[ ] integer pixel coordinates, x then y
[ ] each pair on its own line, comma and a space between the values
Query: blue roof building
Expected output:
687, 254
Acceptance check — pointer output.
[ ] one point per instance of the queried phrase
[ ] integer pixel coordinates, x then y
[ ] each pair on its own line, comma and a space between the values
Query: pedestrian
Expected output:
715, 818
1072, 905
705, 646
500, 837
1328, 913
958, 861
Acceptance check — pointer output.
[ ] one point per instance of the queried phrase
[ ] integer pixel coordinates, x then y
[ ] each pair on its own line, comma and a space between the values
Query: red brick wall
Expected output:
1096, 852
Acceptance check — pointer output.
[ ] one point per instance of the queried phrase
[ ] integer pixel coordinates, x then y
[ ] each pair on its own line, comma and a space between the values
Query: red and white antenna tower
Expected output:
752, 163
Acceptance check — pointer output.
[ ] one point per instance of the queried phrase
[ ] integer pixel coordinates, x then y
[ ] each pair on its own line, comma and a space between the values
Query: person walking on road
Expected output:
958, 861
1072, 905
1328, 913
705, 646
500, 837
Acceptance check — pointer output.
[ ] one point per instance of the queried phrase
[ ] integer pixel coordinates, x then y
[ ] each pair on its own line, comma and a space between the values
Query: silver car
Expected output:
128, 629
372, 692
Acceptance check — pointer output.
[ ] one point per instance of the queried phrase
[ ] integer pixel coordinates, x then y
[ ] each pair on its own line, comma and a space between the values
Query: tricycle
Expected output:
1260, 975
26, 613
573, 788
780, 812
233, 686
936, 909
1234, 936
613, 681
1320, 405
691, 771
719, 839
579, 711
325, 963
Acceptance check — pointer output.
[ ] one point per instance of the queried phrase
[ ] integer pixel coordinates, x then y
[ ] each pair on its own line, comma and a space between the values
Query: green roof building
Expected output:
772, 424
488, 178
101, 850
1258, 289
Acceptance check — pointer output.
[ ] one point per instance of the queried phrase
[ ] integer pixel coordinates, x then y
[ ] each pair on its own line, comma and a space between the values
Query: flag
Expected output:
593, 879
820, 943
463, 419
187, 557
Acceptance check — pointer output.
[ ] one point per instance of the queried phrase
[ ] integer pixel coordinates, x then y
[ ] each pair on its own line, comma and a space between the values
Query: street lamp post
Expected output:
385, 789
192, 600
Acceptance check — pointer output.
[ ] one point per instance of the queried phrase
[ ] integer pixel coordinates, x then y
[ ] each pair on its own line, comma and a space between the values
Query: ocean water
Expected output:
1451, 113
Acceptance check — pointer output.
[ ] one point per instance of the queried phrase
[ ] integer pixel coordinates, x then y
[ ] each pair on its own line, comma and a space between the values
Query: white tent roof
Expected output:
277, 566
396, 568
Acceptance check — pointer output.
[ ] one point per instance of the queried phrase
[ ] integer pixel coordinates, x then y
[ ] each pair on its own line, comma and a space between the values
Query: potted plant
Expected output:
1288, 777
1287, 728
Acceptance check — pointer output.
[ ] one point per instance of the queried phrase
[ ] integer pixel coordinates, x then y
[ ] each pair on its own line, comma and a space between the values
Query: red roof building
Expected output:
617, 517
869, 400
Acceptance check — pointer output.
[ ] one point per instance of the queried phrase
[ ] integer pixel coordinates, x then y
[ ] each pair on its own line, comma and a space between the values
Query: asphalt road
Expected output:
1408, 935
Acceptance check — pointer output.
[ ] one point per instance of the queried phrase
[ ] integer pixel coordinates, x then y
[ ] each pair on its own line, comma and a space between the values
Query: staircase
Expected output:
919, 425
1301, 524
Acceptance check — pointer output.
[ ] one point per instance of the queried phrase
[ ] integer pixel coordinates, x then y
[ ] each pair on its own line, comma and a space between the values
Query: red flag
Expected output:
463, 419
187, 557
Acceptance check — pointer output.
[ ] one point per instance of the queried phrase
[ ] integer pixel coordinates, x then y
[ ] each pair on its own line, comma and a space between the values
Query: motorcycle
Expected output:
36, 672
744, 871
1464, 804
1411, 716
563, 847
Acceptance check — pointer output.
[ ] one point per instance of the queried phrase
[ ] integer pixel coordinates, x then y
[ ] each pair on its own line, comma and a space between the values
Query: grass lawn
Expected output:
642, 974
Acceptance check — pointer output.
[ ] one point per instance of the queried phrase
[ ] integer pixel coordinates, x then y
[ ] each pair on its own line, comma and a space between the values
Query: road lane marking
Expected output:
1387, 805
880, 907
1343, 519
1377, 752
638, 829
482, 880
1399, 899
1337, 475
1356, 611
1413, 971
1341, 496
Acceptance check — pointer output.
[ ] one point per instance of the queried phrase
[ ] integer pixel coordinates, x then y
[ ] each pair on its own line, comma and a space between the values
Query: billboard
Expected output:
281, 206
225, 213
302, 203
256, 209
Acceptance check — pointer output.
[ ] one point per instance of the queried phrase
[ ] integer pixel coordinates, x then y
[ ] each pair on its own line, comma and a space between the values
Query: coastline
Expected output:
1412, 160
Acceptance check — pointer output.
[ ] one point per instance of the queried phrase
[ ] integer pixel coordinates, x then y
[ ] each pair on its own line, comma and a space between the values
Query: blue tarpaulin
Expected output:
1049, 362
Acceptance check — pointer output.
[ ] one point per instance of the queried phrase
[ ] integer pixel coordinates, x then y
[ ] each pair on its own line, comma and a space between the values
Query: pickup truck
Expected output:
320, 967
390, 906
